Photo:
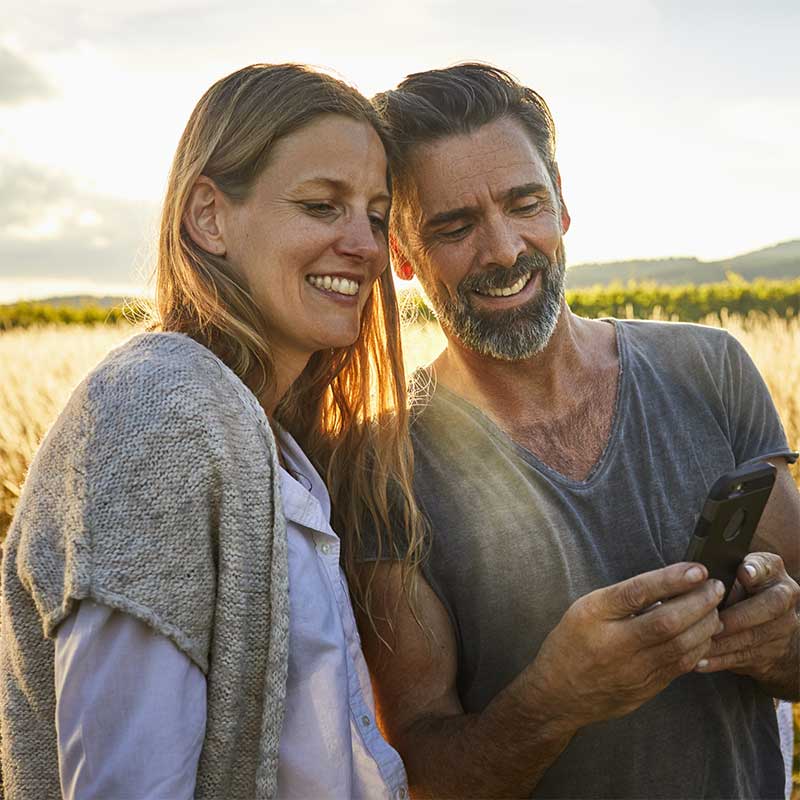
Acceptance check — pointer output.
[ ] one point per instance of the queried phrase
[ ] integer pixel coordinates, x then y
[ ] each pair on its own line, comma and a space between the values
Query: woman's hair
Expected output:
348, 409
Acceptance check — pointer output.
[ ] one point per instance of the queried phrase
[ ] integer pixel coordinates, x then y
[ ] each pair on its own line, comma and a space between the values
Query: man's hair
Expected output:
432, 105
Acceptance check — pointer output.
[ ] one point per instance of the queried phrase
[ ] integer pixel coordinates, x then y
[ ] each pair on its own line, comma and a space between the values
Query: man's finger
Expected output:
675, 654
746, 658
753, 637
737, 593
769, 604
642, 591
740, 658
759, 570
678, 615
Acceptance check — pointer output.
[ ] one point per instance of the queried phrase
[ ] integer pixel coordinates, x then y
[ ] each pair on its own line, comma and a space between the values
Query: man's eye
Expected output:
456, 233
528, 208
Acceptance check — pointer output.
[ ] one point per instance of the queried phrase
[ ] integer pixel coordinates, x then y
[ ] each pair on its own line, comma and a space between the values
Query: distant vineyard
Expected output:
28, 315
688, 303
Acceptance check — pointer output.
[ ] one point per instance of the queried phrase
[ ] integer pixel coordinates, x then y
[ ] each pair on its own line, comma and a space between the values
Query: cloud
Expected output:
52, 227
19, 81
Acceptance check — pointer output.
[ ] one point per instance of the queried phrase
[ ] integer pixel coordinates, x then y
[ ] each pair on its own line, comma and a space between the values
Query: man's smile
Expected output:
506, 291
507, 297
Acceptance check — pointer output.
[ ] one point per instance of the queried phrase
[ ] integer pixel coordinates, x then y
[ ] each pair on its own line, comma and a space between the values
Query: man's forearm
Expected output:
501, 752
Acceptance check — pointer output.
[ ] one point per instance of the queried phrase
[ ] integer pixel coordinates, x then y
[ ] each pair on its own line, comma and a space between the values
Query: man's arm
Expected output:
779, 529
626, 658
762, 632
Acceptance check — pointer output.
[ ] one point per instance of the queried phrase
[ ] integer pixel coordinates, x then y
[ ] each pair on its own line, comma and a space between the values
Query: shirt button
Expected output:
402, 793
326, 548
366, 721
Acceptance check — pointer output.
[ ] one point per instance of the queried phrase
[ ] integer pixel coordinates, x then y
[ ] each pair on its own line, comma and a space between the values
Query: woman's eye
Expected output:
319, 209
378, 222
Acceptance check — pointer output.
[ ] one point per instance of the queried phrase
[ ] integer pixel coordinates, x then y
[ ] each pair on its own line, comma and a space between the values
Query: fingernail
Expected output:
694, 574
719, 588
702, 663
750, 570
720, 629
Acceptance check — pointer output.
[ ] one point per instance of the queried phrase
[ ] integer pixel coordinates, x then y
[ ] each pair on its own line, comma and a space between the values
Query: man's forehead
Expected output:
495, 158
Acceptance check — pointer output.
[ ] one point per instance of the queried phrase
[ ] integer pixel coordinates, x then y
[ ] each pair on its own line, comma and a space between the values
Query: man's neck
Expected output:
540, 388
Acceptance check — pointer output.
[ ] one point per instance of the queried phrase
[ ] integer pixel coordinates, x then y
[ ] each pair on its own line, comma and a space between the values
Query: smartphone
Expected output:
728, 521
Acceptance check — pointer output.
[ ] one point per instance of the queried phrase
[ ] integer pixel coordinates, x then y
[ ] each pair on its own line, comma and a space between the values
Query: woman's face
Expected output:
310, 239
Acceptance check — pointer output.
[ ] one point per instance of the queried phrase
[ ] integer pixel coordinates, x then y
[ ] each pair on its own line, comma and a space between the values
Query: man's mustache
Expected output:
500, 277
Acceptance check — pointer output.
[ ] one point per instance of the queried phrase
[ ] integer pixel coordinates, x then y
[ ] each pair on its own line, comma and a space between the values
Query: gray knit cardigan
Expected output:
155, 493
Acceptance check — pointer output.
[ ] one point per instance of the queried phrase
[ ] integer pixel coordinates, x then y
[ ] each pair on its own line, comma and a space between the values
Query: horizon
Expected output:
18, 290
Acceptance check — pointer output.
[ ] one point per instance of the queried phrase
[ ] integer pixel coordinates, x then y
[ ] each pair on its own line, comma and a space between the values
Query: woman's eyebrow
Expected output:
342, 187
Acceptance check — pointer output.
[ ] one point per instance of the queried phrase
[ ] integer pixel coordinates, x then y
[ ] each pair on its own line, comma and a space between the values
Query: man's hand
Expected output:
762, 632
612, 650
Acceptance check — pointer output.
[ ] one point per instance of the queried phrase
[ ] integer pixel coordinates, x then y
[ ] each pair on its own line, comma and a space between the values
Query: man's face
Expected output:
485, 239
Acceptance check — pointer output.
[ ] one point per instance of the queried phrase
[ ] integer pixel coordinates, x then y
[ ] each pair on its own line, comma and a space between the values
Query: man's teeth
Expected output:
329, 284
507, 291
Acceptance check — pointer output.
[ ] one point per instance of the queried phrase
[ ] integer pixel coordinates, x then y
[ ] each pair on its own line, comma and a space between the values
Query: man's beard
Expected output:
511, 334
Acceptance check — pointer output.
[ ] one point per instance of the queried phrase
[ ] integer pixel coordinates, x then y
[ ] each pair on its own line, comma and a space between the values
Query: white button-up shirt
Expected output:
130, 711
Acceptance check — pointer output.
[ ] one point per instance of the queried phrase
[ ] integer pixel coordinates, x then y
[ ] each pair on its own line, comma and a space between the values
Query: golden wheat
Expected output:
40, 367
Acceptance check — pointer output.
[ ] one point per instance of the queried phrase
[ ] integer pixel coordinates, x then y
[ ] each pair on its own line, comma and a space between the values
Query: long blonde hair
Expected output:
348, 409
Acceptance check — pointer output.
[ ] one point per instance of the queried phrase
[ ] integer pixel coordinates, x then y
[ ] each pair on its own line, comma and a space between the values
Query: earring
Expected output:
404, 270
402, 266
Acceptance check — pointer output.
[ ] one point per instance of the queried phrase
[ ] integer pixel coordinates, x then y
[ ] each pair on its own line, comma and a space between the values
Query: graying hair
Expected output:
429, 106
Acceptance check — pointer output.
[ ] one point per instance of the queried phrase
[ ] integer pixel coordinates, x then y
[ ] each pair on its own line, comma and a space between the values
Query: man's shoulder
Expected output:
660, 334
675, 344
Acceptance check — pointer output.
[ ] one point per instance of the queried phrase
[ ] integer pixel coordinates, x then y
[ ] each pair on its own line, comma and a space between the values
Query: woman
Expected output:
172, 595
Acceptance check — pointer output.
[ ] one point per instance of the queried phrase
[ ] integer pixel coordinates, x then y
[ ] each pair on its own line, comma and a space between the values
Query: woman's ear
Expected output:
201, 217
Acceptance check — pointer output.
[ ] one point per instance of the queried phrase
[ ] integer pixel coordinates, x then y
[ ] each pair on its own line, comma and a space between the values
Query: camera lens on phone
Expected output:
734, 526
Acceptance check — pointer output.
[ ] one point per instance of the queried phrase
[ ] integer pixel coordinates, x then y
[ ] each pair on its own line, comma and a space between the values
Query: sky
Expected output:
677, 120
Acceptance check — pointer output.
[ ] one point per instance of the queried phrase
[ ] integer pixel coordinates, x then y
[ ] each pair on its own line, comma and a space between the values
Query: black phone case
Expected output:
728, 521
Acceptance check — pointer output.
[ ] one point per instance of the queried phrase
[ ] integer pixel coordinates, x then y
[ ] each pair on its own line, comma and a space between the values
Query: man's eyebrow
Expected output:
514, 193
527, 189
449, 216
336, 185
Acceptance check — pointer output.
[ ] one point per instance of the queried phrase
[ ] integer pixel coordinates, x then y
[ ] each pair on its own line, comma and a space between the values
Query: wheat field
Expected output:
41, 367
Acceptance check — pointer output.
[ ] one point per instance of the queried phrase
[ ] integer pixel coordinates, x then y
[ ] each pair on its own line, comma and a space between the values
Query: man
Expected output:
556, 646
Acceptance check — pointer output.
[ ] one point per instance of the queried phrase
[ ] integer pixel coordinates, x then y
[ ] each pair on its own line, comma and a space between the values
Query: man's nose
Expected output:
358, 239
502, 245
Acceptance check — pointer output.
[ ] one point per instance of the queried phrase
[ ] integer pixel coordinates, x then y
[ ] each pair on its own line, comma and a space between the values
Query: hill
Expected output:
82, 301
780, 262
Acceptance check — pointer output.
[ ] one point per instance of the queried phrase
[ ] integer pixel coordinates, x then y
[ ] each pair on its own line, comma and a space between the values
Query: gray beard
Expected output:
514, 334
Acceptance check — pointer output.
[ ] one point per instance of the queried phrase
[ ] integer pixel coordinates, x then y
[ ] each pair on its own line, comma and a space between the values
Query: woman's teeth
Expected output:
329, 284
507, 291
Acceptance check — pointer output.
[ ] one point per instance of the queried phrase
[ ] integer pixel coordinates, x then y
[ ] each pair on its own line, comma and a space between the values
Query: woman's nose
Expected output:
359, 239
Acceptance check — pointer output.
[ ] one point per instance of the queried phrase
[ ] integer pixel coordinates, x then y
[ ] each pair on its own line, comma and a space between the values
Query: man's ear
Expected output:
400, 261
565, 218
201, 217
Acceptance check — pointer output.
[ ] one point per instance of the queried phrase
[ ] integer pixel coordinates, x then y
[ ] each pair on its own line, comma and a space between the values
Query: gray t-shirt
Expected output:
515, 543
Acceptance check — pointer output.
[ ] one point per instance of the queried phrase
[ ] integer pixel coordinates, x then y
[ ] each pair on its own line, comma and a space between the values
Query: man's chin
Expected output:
513, 334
